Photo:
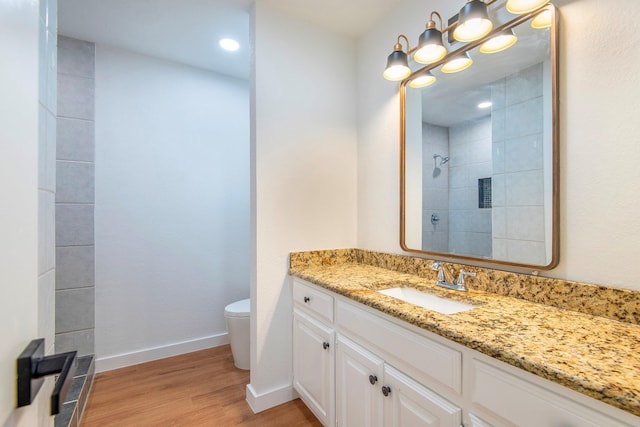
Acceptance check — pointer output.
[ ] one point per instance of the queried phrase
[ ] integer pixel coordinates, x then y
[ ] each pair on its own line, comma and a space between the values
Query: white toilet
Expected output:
237, 315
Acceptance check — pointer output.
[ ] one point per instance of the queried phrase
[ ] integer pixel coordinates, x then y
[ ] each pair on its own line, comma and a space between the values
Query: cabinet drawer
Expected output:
313, 300
522, 403
425, 360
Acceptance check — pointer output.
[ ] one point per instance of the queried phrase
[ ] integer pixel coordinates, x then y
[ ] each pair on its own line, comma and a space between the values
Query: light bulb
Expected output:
429, 54
542, 20
499, 43
519, 7
458, 63
422, 81
397, 72
472, 29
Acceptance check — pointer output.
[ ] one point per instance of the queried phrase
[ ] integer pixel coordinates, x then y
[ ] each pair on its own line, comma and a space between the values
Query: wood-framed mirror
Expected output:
479, 152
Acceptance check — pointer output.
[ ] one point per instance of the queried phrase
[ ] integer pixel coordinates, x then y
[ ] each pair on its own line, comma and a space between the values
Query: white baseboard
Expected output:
264, 401
147, 355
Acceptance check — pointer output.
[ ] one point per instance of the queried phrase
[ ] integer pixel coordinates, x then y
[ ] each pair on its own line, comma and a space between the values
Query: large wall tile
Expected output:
524, 85
526, 252
76, 57
42, 147
75, 309
74, 225
524, 118
75, 139
524, 153
46, 307
75, 97
75, 267
75, 182
50, 146
525, 223
81, 341
525, 188
46, 231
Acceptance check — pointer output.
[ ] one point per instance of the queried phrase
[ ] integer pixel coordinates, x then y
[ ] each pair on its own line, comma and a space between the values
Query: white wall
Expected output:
599, 178
172, 206
304, 175
27, 184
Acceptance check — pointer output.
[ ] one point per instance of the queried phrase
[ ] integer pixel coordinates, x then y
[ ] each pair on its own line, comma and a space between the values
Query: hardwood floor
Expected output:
195, 389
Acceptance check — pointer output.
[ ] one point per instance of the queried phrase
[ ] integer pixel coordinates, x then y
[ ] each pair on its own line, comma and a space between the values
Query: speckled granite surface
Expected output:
579, 346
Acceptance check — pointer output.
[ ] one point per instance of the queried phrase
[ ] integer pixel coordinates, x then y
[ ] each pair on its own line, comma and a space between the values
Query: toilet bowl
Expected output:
237, 316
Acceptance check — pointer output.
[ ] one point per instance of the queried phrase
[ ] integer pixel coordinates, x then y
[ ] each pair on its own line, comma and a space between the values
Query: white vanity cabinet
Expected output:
507, 397
359, 379
370, 393
314, 351
381, 371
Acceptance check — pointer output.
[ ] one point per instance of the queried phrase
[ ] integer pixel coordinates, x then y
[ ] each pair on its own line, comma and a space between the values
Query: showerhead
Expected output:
443, 160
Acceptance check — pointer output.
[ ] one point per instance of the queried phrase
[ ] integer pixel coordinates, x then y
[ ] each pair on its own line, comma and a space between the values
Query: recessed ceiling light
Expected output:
485, 104
229, 44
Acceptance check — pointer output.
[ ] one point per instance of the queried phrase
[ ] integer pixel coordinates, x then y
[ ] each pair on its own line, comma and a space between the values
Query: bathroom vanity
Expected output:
365, 358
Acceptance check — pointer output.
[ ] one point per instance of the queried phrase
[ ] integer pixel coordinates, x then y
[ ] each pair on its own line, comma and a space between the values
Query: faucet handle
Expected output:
436, 265
461, 275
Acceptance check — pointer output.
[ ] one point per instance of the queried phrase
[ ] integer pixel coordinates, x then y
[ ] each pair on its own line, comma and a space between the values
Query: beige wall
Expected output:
303, 148
599, 128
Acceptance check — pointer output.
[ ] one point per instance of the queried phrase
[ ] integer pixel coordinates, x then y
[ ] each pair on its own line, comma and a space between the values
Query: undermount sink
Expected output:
428, 301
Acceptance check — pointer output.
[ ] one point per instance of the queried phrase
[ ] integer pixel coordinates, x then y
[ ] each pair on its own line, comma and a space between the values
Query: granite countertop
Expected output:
593, 355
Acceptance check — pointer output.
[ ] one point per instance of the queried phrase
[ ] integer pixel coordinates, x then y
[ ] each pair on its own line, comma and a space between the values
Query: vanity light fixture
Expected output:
519, 7
473, 22
397, 63
471, 25
485, 104
499, 42
430, 45
457, 63
422, 80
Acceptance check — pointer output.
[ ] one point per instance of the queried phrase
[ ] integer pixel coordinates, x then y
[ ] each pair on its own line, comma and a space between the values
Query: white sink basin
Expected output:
428, 301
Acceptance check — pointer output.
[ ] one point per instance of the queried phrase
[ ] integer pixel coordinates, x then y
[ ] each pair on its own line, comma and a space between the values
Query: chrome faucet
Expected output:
446, 278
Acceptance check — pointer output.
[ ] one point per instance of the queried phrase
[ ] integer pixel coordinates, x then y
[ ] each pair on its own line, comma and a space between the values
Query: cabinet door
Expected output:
313, 366
408, 403
358, 378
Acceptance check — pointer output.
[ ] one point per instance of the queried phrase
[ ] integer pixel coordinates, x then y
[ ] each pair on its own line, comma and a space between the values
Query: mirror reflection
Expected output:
479, 156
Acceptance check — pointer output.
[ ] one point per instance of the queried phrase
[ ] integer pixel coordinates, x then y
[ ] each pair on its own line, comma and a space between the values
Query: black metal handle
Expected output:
373, 379
325, 345
307, 299
33, 366
386, 390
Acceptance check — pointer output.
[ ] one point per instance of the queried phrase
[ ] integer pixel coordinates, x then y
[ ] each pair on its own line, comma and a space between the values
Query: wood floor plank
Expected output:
203, 388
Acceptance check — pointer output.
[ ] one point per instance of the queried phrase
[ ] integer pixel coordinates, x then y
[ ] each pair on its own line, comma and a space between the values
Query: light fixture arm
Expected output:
432, 23
398, 45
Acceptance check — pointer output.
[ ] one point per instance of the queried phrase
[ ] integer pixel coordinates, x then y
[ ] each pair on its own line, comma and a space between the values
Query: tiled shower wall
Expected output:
518, 178
435, 181
470, 152
75, 263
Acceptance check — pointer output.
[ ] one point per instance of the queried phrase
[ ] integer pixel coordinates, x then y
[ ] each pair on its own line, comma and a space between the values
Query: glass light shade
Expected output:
473, 22
499, 43
459, 63
430, 47
542, 20
229, 44
422, 81
397, 66
519, 7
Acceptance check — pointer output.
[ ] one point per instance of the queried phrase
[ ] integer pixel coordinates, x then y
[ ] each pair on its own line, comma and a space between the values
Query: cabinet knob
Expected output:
386, 390
307, 299
325, 345
373, 379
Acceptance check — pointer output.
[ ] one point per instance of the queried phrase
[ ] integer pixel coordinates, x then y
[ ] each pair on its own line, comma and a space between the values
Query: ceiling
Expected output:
187, 31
